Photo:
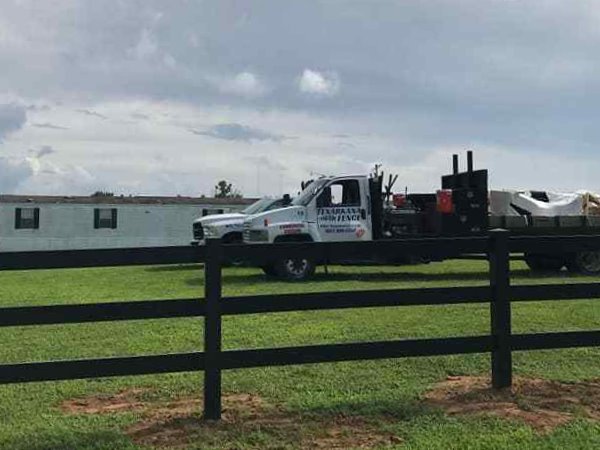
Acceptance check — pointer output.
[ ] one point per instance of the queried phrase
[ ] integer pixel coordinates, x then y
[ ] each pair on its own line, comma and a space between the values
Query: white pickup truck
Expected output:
229, 227
357, 208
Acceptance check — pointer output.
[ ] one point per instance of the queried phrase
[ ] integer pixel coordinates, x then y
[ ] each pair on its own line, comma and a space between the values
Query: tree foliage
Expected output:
103, 194
223, 189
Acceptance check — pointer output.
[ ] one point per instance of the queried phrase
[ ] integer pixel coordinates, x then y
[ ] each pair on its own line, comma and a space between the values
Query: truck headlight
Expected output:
209, 233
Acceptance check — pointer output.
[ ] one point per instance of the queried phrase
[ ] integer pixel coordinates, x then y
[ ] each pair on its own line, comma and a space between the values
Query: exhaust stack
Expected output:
470, 161
455, 164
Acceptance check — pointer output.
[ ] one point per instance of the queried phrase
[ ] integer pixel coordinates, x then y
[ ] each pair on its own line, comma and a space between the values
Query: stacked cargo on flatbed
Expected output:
519, 210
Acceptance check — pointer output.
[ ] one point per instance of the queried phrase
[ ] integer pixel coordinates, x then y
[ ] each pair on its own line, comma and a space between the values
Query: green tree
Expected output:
103, 194
223, 189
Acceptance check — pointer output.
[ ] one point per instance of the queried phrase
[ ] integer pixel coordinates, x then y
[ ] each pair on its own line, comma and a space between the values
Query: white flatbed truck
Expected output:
356, 208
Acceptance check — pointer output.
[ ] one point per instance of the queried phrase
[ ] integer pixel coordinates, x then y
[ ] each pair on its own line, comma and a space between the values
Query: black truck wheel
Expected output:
544, 263
295, 269
587, 263
233, 238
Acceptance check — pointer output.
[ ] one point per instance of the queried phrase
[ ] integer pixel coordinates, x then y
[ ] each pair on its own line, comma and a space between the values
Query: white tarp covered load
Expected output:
514, 203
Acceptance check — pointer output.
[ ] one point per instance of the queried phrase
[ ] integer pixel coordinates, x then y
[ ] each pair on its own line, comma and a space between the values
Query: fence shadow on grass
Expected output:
231, 278
400, 407
42, 440
175, 268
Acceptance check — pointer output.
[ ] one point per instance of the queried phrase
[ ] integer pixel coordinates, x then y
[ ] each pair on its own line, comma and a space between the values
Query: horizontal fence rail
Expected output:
105, 367
255, 254
443, 247
547, 341
362, 351
499, 294
100, 312
558, 243
63, 259
258, 304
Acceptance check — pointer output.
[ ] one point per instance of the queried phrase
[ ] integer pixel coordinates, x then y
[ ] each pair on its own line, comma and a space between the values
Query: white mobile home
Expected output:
31, 223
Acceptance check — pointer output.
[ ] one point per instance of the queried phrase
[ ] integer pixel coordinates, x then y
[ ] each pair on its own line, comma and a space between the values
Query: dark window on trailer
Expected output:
211, 211
105, 218
27, 218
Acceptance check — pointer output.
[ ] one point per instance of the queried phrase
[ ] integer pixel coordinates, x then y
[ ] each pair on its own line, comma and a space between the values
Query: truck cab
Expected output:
329, 209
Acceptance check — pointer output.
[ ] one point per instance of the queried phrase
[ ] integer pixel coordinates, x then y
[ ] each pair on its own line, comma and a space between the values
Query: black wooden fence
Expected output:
501, 342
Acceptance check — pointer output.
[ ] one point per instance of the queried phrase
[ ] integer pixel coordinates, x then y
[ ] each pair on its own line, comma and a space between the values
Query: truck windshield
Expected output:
258, 206
309, 193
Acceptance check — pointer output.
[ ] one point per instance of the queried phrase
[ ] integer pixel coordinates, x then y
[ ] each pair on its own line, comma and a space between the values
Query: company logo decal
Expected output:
291, 228
338, 220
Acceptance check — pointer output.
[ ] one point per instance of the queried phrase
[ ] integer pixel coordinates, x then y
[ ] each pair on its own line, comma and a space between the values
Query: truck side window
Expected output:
340, 193
211, 211
337, 194
275, 205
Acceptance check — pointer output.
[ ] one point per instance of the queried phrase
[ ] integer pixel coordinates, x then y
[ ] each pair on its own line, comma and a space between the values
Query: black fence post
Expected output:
212, 330
500, 309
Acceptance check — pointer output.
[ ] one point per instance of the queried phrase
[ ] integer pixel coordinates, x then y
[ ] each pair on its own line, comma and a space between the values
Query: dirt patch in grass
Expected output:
343, 432
124, 401
247, 422
542, 404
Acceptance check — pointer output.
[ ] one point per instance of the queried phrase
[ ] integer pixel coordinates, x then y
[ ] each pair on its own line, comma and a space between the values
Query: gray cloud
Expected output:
44, 150
12, 118
479, 71
49, 126
266, 162
35, 107
13, 173
238, 132
89, 112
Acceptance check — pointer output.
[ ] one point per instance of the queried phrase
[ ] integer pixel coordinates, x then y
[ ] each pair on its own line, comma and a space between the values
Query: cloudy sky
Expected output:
168, 97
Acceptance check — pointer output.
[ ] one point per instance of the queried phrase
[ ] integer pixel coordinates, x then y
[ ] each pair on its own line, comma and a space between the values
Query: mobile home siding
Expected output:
65, 226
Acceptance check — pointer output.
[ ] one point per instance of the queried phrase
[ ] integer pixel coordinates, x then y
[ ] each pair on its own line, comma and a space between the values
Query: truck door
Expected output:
342, 211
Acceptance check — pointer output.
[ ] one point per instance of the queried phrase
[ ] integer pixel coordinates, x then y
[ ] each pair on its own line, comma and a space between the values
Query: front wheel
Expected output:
587, 263
295, 269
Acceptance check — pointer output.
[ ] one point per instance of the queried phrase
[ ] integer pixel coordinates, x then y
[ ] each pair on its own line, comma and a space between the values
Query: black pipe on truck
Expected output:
454, 164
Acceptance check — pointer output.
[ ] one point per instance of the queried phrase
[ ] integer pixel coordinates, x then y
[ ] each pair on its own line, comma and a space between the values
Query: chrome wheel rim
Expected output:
296, 267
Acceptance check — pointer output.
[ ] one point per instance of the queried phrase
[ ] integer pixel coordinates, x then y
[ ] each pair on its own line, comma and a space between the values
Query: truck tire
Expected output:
587, 263
295, 269
233, 238
544, 263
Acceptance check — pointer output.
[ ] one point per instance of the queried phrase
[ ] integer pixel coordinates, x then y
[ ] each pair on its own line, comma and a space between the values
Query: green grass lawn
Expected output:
386, 394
